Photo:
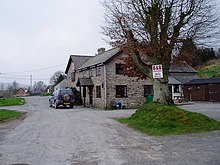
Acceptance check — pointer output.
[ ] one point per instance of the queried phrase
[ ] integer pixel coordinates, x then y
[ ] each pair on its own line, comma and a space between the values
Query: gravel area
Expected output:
207, 108
82, 136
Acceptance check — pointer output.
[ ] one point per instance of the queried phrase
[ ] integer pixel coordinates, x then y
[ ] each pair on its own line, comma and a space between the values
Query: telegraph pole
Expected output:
31, 83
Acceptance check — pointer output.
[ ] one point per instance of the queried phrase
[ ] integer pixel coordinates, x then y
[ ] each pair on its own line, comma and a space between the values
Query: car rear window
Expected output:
66, 92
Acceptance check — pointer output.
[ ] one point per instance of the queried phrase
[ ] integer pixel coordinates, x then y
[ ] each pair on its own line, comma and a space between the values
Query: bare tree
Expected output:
55, 77
39, 86
155, 30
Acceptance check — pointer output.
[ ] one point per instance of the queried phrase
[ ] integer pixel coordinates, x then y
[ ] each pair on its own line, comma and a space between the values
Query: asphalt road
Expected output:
82, 136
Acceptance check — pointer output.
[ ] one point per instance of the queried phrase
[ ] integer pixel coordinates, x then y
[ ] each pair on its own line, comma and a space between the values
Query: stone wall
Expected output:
98, 81
135, 87
69, 77
108, 79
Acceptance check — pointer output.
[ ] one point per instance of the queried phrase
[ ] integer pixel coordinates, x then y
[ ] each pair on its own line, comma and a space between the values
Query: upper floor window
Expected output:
84, 73
98, 70
90, 72
119, 68
121, 91
98, 91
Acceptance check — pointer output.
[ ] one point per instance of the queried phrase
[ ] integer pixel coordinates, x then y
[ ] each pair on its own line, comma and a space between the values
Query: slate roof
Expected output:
78, 60
181, 67
173, 81
215, 80
101, 58
185, 78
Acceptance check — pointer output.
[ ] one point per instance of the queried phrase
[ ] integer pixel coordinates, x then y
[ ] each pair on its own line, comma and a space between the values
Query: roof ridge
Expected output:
101, 58
108, 50
81, 55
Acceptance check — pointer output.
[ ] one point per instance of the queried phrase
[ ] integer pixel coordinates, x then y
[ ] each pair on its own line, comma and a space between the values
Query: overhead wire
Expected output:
34, 70
35, 77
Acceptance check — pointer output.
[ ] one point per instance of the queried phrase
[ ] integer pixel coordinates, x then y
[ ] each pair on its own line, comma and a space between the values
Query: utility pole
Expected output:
31, 83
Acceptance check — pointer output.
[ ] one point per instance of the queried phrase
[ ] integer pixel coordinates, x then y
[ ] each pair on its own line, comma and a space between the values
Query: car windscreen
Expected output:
66, 92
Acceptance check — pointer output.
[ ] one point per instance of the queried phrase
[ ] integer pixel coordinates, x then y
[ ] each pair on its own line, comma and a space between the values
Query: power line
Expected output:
36, 69
27, 75
38, 62
16, 78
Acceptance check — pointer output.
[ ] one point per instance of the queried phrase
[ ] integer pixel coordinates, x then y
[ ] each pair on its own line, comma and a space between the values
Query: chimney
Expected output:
101, 50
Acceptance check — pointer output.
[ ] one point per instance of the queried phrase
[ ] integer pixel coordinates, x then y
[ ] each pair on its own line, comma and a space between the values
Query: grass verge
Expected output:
158, 119
45, 94
11, 101
8, 115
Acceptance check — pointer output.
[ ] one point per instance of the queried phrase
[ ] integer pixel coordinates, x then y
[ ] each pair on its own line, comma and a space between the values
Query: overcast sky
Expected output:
37, 36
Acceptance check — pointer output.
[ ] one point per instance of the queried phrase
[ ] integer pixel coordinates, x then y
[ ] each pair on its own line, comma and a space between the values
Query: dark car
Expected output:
62, 97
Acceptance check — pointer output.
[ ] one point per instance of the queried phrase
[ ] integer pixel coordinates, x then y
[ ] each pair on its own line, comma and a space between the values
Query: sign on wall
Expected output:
157, 71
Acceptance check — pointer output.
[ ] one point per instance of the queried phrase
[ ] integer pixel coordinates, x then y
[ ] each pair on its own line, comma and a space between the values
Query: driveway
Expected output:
82, 136
207, 108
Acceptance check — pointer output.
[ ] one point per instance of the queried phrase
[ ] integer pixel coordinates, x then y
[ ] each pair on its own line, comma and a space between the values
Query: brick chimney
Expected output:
101, 50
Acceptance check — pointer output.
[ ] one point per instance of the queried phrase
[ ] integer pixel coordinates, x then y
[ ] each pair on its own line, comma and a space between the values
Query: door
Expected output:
212, 93
90, 95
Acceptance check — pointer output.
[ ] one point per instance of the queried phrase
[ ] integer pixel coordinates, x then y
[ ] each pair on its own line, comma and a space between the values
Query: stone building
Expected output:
102, 84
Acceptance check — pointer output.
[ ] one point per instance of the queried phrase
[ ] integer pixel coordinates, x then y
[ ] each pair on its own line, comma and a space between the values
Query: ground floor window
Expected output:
148, 90
98, 91
176, 89
121, 91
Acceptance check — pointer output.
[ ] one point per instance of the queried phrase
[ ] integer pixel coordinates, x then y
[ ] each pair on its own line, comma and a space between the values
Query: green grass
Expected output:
45, 94
8, 115
158, 119
210, 70
11, 101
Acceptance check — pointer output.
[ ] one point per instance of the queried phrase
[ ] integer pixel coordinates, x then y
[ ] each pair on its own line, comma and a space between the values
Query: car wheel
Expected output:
55, 105
71, 106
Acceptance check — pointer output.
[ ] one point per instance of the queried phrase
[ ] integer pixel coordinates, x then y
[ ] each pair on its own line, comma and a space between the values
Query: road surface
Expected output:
82, 136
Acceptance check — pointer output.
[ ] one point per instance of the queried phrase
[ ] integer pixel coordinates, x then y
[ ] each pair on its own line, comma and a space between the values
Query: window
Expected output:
119, 68
148, 90
121, 91
73, 76
84, 73
90, 72
189, 88
98, 71
98, 91
176, 89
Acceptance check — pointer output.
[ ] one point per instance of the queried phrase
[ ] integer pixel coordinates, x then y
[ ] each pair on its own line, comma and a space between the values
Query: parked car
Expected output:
62, 97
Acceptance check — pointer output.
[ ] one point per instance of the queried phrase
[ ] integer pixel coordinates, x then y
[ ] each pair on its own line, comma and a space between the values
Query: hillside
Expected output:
209, 69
